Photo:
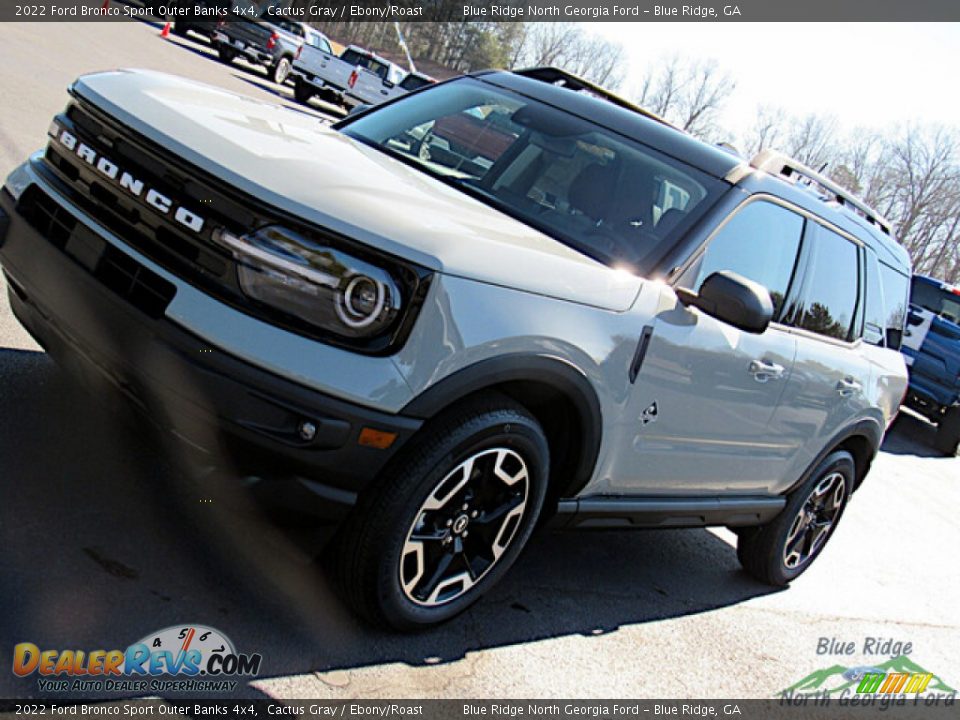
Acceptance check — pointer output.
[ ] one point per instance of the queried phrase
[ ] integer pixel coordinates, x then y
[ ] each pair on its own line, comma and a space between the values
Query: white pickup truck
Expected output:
358, 76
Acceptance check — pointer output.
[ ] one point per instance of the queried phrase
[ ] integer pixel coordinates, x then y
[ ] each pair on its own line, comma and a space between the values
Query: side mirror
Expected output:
733, 299
357, 109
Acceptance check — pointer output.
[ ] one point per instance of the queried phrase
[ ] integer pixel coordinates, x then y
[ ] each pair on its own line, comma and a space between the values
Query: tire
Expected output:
763, 551
405, 557
226, 55
302, 92
180, 29
948, 433
280, 70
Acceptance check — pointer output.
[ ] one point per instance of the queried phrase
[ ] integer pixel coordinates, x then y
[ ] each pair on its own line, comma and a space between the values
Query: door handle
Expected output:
848, 386
763, 371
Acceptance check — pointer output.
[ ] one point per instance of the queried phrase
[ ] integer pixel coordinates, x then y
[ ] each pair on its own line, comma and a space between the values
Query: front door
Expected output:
701, 416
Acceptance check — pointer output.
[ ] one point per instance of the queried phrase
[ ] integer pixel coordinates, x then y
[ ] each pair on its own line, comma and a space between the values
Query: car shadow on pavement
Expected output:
106, 539
911, 435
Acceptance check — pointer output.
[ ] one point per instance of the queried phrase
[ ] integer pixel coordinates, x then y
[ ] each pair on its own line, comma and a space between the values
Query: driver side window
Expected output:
760, 242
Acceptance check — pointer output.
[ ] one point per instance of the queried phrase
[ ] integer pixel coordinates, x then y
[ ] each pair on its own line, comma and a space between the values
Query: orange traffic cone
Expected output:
166, 30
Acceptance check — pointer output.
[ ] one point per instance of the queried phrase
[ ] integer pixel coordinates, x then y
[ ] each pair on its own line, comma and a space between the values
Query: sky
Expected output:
865, 74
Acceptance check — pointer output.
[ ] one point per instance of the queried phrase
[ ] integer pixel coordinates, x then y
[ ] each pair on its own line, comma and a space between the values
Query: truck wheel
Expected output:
280, 70
781, 550
180, 28
447, 520
226, 55
948, 432
302, 92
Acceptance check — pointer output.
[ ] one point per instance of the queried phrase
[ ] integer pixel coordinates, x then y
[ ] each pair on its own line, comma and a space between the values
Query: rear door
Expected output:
830, 380
699, 417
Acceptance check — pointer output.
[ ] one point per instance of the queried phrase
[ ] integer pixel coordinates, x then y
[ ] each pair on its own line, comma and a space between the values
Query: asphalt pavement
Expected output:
106, 538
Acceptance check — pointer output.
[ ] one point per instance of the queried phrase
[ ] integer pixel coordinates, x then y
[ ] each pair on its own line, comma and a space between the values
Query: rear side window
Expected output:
896, 286
321, 44
875, 315
831, 286
760, 242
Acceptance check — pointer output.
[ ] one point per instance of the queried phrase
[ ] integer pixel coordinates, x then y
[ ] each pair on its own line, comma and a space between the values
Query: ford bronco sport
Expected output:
601, 323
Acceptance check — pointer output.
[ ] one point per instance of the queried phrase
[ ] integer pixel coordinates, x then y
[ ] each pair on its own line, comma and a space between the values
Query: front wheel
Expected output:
948, 432
225, 54
448, 520
781, 550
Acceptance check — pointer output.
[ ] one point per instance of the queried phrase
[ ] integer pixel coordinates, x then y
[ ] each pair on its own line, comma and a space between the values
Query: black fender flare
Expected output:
550, 370
869, 429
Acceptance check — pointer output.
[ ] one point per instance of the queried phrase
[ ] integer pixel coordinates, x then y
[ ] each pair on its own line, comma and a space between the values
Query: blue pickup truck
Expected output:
931, 345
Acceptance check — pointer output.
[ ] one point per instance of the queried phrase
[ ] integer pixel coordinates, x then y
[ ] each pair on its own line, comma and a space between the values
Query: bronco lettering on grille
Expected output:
126, 181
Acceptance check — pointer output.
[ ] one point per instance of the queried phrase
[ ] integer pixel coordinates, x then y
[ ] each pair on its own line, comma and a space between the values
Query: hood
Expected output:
288, 159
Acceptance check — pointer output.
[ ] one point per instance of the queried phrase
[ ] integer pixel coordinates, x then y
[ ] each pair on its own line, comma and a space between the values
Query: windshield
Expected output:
940, 302
607, 196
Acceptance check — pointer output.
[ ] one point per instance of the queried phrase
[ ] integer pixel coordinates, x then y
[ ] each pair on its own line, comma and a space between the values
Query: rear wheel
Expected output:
225, 54
948, 432
448, 520
280, 70
302, 92
780, 551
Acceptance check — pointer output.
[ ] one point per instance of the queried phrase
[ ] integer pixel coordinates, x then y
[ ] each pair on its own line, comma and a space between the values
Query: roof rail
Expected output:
777, 163
562, 78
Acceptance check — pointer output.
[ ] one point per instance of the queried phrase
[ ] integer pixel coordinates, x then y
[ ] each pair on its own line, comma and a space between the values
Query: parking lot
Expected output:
106, 540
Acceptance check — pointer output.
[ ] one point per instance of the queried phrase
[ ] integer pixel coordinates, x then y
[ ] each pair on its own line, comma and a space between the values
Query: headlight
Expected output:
319, 284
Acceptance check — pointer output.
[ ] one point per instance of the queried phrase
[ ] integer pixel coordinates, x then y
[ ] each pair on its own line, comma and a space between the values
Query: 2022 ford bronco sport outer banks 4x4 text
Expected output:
602, 321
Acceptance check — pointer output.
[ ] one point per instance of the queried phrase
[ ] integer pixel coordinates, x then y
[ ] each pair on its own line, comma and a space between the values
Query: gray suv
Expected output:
505, 300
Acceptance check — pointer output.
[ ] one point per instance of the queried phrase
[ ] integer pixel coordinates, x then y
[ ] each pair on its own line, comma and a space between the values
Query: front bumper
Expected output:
61, 291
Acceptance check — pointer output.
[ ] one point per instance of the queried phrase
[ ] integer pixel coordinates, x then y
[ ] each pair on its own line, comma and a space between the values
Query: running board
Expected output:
613, 511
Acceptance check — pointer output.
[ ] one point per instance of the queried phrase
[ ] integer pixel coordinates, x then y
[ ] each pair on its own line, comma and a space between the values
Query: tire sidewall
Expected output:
521, 435
840, 461
275, 73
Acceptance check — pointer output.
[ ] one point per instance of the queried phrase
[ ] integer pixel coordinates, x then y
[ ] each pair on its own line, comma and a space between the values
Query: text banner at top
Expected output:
484, 11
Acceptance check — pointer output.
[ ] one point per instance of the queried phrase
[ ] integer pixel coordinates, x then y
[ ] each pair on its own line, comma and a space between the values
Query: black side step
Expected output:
616, 511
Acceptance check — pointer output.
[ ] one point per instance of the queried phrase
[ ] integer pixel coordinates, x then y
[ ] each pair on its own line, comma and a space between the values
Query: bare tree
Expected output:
691, 95
912, 177
569, 47
766, 132
812, 139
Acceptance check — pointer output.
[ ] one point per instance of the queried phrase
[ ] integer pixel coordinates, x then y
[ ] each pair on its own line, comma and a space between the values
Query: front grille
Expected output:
129, 279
